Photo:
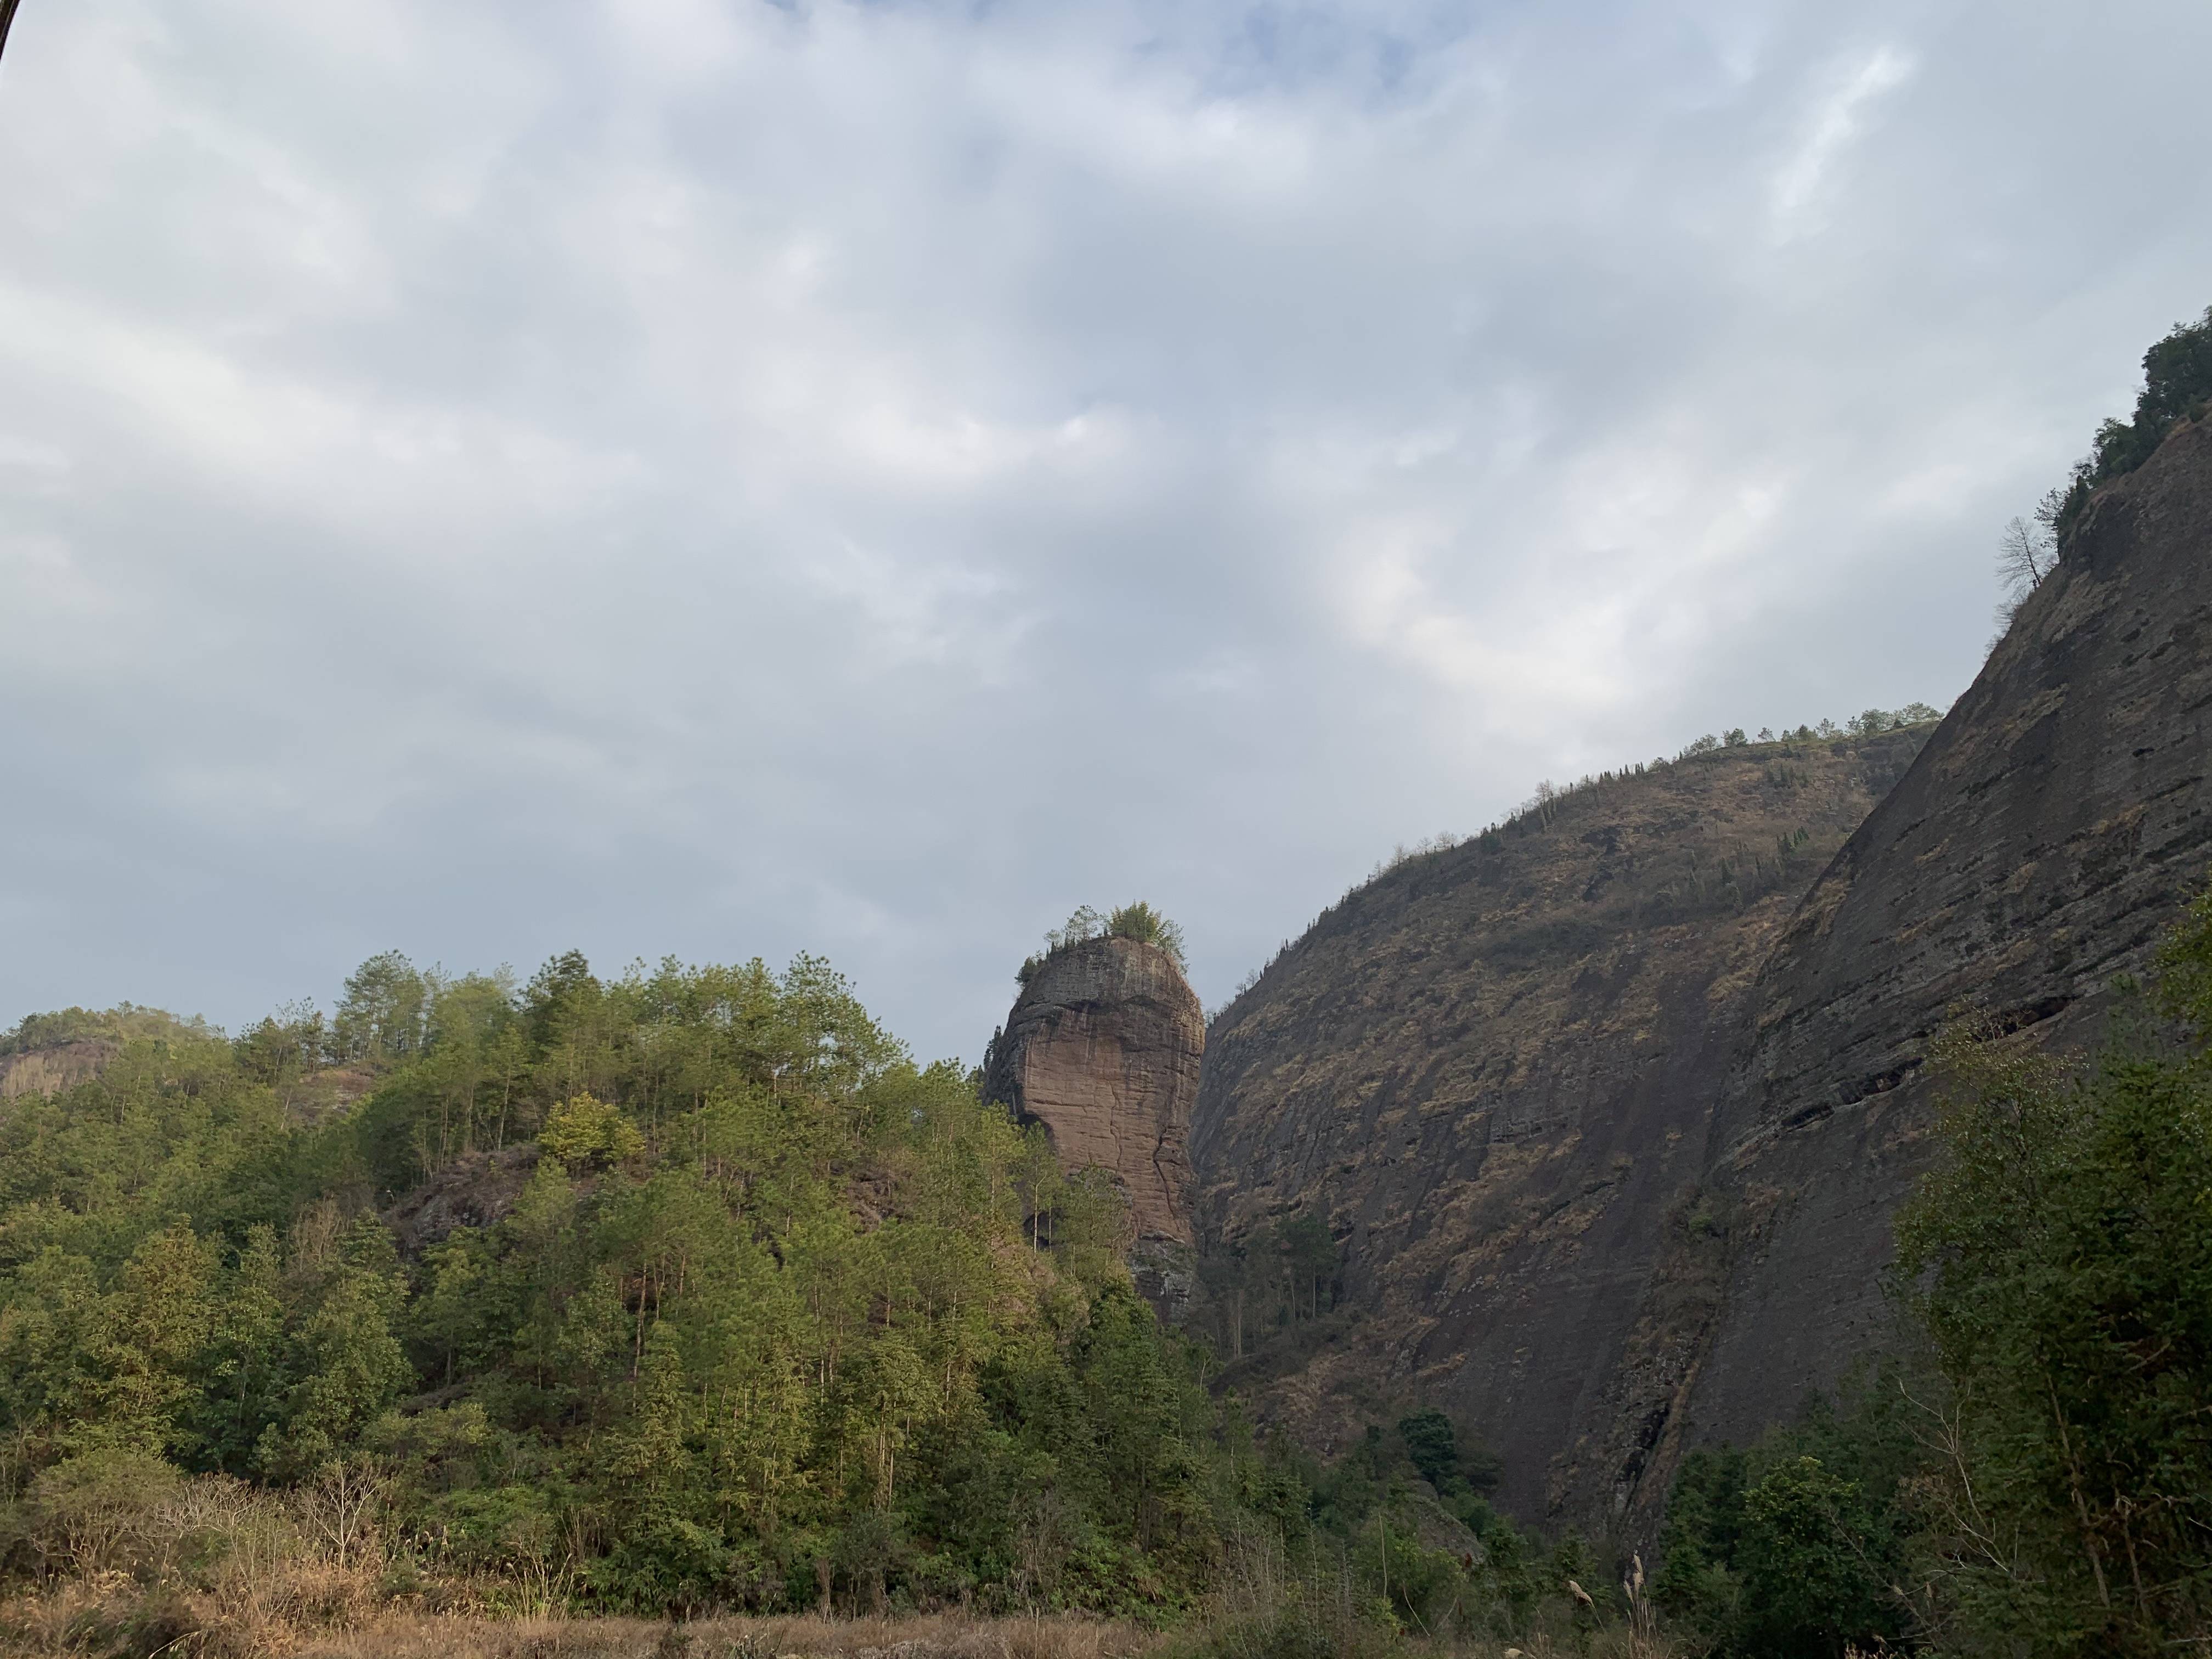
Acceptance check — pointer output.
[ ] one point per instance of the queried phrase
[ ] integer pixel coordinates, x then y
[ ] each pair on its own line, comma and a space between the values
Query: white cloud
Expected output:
1838, 120
716, 476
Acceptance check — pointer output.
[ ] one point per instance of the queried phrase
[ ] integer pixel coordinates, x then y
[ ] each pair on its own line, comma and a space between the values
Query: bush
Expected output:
1141, 922
586, 1131
99, 1511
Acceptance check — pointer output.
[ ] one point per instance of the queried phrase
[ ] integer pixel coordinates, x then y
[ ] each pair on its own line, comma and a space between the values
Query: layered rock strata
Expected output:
1102, 1047
1610, 1118
1491, 1072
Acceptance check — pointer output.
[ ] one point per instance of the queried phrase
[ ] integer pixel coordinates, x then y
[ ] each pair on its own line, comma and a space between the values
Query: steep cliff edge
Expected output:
1492, 1073
1104, 1048
1609, 1125
2037, 850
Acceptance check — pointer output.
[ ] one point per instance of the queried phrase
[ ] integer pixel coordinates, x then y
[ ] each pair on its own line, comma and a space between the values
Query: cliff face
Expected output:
1491, 1072
2038, 849
1102, 1047
49, 1070
1610, 1125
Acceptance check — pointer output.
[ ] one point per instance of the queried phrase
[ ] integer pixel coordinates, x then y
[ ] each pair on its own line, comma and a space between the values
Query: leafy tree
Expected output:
585, 1131
2064, 1270
1431, 1444
2176, 383
381, 1014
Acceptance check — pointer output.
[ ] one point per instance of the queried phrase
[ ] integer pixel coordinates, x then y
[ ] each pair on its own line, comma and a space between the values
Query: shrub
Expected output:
1142, 923
99, 1510
586, 1131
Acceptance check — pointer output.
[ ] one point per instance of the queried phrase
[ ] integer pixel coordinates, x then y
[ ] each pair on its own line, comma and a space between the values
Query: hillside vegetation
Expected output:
680, 1293
772, 1315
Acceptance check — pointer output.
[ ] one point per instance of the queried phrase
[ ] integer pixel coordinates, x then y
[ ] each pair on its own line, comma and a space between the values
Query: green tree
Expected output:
242, 1378
381, 1013
347, 1365
2063, 1266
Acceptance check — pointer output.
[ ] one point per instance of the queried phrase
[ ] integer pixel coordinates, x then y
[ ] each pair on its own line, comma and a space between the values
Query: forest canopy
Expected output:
689, 1286
680, 1291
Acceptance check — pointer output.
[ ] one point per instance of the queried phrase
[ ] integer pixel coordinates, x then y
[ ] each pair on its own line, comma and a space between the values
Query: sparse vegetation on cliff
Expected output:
1138, 921
2176, 386
1541, 809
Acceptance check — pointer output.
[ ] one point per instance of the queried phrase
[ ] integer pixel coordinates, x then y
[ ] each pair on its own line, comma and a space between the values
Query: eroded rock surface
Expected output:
1492, 1071
1610, 1120
2039, 849
1102, 1047
47, 1071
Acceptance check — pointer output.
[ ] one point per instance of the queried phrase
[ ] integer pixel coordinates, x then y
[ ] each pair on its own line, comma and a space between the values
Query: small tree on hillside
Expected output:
2025, 554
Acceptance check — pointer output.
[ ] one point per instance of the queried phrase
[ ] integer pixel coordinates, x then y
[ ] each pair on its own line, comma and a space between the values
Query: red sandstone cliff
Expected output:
1102, 1047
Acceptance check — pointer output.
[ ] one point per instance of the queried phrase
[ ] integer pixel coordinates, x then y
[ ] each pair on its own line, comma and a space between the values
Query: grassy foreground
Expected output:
85, 1618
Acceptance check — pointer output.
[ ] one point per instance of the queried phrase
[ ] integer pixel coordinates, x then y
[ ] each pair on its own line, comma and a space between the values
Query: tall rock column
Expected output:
1102, 1047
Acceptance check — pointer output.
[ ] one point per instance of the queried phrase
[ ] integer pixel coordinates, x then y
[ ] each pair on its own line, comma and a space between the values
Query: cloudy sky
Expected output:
719, 477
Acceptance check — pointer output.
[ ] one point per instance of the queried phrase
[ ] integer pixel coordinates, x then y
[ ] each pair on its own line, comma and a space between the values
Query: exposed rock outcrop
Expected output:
1491, 1072
1611, 1131
49, 1070
1102, 1047
2038, 850
476, 1189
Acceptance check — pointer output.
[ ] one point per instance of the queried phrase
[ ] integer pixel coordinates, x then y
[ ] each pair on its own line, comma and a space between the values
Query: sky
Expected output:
719, 478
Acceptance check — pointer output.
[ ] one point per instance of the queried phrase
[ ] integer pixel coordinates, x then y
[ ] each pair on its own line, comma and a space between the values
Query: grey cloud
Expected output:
707, 477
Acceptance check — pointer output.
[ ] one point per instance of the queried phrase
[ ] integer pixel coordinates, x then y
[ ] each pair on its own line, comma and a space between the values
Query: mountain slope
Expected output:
2037, 851
1608, 1126
1491, 1071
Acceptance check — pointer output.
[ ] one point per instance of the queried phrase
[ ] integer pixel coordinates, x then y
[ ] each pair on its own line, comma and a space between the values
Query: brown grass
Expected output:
101, 1616
213, 1569
920, 1637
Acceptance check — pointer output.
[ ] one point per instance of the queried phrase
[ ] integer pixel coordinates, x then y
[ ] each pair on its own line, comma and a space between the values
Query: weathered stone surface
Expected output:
61, 1065
1613, 1161
1492, 1071
2038, 849
476, 1189
1102, 1047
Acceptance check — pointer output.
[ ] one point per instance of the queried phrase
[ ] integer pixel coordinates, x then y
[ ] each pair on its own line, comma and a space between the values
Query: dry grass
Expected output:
213, 1569
922, 1637
70, 1623
94, 1617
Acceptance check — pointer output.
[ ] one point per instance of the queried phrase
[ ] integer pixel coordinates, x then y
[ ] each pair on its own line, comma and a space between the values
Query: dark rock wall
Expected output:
1610, 1125
2038, 849
1491, 1072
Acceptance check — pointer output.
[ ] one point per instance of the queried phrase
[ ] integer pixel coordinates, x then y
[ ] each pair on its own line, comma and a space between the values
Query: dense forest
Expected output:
774, 1314
765, 1316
